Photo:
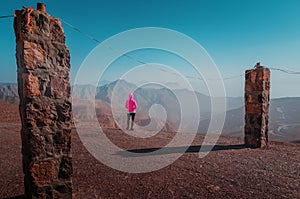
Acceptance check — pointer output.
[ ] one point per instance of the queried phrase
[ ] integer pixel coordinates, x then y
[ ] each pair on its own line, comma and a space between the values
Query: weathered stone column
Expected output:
257, 96
43, 62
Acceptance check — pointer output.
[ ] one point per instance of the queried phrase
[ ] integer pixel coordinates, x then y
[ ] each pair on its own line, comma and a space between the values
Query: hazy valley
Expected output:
284, 112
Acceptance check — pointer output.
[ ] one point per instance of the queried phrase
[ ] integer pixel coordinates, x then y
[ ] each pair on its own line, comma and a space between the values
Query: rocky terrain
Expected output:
229, 171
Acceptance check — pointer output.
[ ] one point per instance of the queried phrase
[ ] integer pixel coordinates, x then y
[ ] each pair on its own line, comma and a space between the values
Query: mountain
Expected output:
284, 120
110, 105
116, 93
284, 112
109, 100
9, 92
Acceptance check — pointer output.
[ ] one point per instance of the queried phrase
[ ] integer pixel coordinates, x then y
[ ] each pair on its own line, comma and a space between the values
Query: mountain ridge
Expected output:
284, 112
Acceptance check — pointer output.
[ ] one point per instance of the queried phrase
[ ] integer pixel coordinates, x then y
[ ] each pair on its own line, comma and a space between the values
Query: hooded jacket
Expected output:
131, 104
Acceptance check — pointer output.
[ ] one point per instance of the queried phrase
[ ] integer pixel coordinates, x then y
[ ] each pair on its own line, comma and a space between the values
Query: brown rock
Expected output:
250, 98
31, 86
44, 172
253, 108
263, 74
248, 86
66, 169
57, 33
45, 106
62, 141
257, 95
59, 87
247, 75
258, 86
253, 76
34, 55
63, 191
36, 146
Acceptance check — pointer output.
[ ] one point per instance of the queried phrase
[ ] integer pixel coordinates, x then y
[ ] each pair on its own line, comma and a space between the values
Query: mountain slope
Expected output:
9, 92
284, 120
110, 98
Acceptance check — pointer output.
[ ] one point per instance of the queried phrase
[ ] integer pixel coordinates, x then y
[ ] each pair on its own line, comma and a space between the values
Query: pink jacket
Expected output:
131, 104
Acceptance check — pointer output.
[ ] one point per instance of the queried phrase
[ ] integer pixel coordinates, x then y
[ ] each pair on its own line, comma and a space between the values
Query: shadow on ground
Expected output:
183, 149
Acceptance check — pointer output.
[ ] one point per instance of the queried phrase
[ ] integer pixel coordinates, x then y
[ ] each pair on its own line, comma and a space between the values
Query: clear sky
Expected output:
236, 33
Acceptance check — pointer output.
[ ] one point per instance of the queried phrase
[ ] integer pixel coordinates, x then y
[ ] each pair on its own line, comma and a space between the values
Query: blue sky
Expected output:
236, 33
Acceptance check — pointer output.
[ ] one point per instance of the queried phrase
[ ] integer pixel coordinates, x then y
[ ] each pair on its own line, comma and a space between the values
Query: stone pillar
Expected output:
257, 96
43, 62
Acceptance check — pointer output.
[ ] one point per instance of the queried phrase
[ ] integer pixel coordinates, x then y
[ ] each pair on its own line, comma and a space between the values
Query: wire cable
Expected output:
286, 71
81, 32
98, 41
133, 58
187, 76
6, 16
142, 62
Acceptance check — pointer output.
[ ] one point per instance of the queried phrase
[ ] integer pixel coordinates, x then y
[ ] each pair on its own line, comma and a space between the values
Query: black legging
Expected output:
132, 116
132, 120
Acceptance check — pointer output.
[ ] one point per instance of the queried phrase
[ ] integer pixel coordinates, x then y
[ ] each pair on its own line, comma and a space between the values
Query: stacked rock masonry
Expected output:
43, 62
257, 96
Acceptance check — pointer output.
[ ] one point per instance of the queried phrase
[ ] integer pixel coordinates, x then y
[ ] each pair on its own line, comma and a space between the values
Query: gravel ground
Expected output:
229, 171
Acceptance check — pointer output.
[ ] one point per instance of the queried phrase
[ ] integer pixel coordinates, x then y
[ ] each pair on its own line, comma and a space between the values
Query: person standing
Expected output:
131, 106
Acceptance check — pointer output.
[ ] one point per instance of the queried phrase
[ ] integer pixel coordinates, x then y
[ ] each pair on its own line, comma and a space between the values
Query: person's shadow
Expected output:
171, 150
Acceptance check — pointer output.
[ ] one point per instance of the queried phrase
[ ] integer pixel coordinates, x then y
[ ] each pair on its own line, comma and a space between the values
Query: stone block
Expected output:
251, 98
257, 95
43, 62
248, 87
59, 87
43, 173
258, 86
34, 55
263, 74
36, 146
62, 141
57, 33
31, 85
66, 169
63, 191
253, 74
253, 108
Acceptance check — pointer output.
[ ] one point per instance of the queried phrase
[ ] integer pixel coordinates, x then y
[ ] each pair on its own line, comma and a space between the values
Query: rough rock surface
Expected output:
43, 62
257, 97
